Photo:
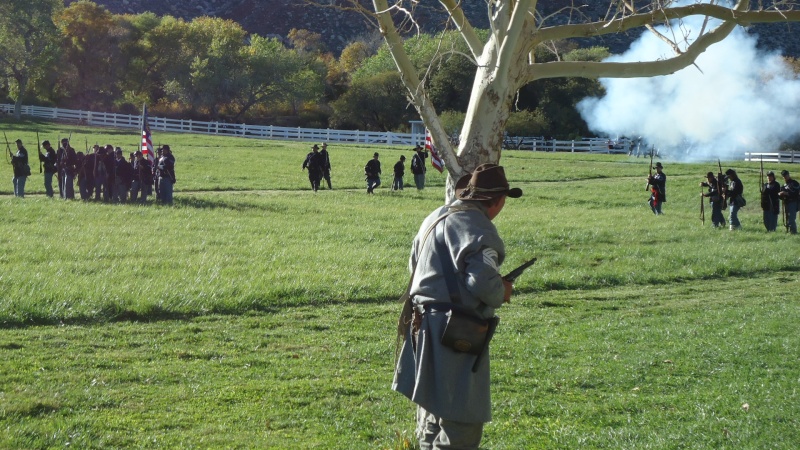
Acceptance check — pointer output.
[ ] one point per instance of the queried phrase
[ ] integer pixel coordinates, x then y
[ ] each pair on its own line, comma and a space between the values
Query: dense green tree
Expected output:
374, 103
138, 82
92, 39
553, 100
272, 73
28, 44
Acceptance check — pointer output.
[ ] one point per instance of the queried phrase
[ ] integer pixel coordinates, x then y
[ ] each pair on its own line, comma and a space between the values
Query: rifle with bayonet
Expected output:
721, 188
39, 147
8, 147
650, 177
785, 215
702, 206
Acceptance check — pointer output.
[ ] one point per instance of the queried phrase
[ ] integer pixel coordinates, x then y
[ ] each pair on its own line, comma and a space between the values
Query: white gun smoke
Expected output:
738, 99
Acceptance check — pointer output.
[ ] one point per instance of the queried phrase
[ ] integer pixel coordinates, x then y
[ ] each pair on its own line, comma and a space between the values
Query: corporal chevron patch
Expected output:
490, 258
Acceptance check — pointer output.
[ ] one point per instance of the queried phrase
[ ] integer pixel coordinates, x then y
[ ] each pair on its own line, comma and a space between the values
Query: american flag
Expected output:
147, 141
436, 161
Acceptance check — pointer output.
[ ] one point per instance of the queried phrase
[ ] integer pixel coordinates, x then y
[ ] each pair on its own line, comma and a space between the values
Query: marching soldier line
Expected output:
101, 174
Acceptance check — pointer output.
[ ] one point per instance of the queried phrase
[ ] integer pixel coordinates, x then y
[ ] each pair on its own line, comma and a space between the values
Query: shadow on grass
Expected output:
303, 298
110, 313
239, 205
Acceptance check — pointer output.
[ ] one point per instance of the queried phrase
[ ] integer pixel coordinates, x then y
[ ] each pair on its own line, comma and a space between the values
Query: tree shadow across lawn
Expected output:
238, 205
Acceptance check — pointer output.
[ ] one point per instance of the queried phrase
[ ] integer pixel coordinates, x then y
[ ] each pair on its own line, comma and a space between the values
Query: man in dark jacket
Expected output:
790, 194
770, 202
68, 165
22, 170
313, 164
123, 176
658, 189
86, 176
715, 199
141, 185
326, 164
735, 195
372, 171
399, 171
108, 186
418, 166
166, 175
50, 162
99, 173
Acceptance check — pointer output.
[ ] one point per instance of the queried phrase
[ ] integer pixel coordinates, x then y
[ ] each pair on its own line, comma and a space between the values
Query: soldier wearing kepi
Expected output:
19, 161
313, 164
735, 195
68, 161
770, 202
50, 162
790, 194
418, 166
142, 183
372, 172
326, 164
715, 199
658, 189
399, 171
123, 177
166, 175
455, 261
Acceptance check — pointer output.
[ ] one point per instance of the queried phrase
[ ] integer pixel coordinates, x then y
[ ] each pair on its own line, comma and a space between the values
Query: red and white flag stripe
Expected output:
436, 160
147, 139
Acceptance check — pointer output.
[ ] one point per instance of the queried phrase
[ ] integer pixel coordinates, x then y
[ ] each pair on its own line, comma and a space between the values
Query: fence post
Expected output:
573, 146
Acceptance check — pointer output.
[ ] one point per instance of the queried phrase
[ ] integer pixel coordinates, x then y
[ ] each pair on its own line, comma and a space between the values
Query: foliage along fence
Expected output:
101, 119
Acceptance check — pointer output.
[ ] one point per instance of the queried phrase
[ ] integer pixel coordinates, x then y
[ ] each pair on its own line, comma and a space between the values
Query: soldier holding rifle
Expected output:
142, 183
770, 201
790, 194
715, 199
658, 188
19, 161
166, 175
50, 163
455, 277
734, 193
68, 160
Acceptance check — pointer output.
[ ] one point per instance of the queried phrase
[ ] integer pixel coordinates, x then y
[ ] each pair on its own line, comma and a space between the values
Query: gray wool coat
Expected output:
433, 376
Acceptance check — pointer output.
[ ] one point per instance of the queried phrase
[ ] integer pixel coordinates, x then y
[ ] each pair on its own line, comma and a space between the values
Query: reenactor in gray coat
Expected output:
455, 261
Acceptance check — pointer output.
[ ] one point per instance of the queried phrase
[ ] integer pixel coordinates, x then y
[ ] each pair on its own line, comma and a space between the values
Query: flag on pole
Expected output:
147, 140
436, 160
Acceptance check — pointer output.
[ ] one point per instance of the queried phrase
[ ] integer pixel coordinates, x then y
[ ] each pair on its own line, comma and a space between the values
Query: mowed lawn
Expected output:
255, 313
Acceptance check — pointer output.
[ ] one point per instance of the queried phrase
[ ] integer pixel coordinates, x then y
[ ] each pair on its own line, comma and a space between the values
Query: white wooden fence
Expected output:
100, 119
787, 156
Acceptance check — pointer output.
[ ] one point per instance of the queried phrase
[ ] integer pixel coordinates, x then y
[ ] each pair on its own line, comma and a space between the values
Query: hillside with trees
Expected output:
186, 59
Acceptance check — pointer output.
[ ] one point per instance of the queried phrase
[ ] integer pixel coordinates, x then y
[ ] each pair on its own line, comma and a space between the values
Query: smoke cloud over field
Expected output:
743, 100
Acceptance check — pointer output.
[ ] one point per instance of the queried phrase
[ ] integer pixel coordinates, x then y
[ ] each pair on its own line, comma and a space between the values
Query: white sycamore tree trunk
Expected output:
505, 62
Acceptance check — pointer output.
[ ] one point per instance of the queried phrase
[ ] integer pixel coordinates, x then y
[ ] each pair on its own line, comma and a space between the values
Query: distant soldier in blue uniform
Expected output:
372, 171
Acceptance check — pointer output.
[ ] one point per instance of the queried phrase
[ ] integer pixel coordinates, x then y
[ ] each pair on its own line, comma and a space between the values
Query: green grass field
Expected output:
255, 313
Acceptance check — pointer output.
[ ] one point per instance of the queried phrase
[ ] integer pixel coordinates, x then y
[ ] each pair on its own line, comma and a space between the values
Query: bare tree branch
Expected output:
743, 18
588, 69
464, 27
